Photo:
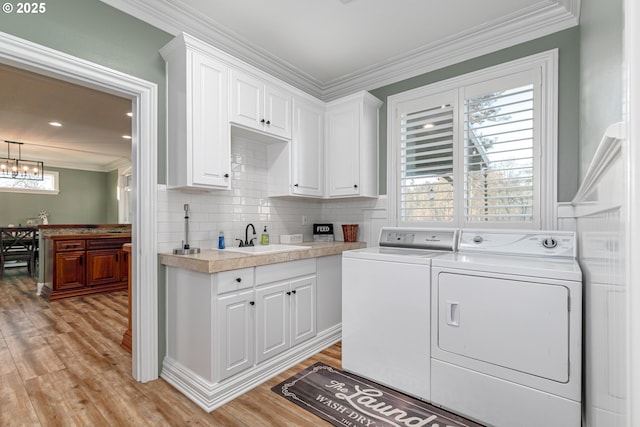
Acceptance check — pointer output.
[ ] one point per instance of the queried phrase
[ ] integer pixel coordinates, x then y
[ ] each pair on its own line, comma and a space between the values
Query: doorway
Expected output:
39, 59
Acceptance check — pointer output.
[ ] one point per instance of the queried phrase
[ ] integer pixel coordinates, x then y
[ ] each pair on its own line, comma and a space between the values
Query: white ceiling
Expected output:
328, 48
93, 122
331, 48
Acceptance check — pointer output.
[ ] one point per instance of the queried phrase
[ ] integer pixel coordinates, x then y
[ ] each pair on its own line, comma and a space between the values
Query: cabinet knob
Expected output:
288, 293
226, 175
252, 303
268, 122
355, 185
262, 121
295, 185
238, 279
293, 291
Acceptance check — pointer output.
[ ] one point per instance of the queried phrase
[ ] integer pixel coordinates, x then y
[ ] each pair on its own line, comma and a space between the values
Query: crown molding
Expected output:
175, 17
114, 165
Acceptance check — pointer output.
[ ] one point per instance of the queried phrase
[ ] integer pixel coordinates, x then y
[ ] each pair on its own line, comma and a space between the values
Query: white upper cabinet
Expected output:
198, 140
259, 105
352, 146
307, 149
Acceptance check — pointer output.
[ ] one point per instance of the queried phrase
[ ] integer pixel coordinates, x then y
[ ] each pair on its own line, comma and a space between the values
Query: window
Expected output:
468, 152
49, 185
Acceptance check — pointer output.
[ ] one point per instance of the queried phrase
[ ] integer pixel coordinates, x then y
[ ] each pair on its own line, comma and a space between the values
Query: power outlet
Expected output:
305, 220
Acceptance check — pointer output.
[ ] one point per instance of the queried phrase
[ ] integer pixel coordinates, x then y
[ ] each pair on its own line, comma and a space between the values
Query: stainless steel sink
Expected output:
266, 249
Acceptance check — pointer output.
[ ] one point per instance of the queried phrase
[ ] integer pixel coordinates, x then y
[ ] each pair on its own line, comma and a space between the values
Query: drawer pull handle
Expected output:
252, 302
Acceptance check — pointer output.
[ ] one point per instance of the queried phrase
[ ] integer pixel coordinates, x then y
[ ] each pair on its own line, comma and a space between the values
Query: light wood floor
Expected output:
61, 364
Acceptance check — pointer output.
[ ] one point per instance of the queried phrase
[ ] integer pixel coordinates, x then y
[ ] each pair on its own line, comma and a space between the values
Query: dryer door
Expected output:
518, 325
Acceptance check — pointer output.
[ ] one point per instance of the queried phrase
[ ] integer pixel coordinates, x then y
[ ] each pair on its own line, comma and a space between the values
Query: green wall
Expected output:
83, 199
94, 31
568, 44
112, 197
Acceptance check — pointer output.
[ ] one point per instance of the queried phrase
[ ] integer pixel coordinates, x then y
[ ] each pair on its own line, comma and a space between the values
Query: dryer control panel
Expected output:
418, 238
517, 242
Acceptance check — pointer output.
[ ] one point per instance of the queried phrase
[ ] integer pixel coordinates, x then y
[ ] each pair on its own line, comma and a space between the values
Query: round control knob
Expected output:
549, 243
477, 239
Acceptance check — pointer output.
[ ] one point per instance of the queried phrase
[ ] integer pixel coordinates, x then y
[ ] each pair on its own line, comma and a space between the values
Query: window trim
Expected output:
547, 63
54, 192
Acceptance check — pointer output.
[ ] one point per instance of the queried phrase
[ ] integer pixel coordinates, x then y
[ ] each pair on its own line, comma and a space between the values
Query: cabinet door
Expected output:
272, 319
303, 309
235, 323
103, 267
343, 136
307, 150
211, 140
247, 100
277, 112
69, 270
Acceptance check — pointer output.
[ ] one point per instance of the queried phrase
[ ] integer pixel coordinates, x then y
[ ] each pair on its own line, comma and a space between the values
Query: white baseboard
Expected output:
210, 396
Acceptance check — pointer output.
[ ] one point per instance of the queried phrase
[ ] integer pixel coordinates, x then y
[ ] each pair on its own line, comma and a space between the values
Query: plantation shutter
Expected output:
500, 150
427, 155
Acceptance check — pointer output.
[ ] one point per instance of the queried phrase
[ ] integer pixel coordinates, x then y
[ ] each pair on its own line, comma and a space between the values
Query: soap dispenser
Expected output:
264, 239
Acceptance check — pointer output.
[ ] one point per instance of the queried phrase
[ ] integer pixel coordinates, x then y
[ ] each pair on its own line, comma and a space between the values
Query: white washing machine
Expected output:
506, 332
386, 307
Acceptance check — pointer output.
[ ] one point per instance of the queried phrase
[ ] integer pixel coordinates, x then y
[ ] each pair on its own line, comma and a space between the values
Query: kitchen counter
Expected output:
74, 231
215, 260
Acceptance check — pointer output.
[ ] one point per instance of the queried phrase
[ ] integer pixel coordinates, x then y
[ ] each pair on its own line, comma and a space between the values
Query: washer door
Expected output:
518, 325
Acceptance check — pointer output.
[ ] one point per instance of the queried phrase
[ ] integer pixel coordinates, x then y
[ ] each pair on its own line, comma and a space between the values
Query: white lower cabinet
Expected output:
285, 313
229, 331
236, 327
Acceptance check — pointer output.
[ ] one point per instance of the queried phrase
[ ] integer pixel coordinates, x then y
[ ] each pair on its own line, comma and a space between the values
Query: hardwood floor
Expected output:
61, 364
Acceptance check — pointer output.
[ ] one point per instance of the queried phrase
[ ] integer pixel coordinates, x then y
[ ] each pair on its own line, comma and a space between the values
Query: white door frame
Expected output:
632, 203
30, 56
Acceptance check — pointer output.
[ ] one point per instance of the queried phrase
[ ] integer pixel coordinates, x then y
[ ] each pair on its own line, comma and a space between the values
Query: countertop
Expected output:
214, 260
70, 231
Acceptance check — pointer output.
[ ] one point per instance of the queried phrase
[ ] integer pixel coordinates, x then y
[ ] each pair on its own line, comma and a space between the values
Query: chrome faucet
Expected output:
248, 242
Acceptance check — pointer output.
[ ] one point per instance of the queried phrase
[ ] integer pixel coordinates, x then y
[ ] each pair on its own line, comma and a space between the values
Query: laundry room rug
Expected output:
344, 399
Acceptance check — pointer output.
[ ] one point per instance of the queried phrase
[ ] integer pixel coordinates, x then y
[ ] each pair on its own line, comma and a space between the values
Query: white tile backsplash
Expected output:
247, 202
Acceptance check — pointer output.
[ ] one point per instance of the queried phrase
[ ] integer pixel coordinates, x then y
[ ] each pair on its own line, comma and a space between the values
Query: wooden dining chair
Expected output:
18, 244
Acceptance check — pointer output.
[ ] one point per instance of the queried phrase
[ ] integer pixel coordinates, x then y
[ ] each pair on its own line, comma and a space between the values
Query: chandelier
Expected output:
19, 168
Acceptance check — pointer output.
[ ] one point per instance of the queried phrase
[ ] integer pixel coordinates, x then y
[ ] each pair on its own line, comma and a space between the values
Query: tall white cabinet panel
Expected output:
258, 105
235, 324
307, 149
352, 146
198, 146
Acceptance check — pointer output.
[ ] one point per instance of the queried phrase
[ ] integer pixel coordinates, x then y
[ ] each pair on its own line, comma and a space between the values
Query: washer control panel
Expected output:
518, 242
418, 238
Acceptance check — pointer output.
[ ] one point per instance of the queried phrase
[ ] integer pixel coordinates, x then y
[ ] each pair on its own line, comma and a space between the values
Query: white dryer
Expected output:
506, 330
385, 307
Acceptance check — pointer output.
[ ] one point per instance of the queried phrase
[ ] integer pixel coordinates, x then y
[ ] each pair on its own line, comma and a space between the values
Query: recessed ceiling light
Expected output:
126, 136
56, 124
130, 114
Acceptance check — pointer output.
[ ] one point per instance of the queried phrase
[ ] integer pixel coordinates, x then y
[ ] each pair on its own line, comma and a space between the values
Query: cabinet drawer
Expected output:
283, 271
234, 280
107, 243
69, 245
